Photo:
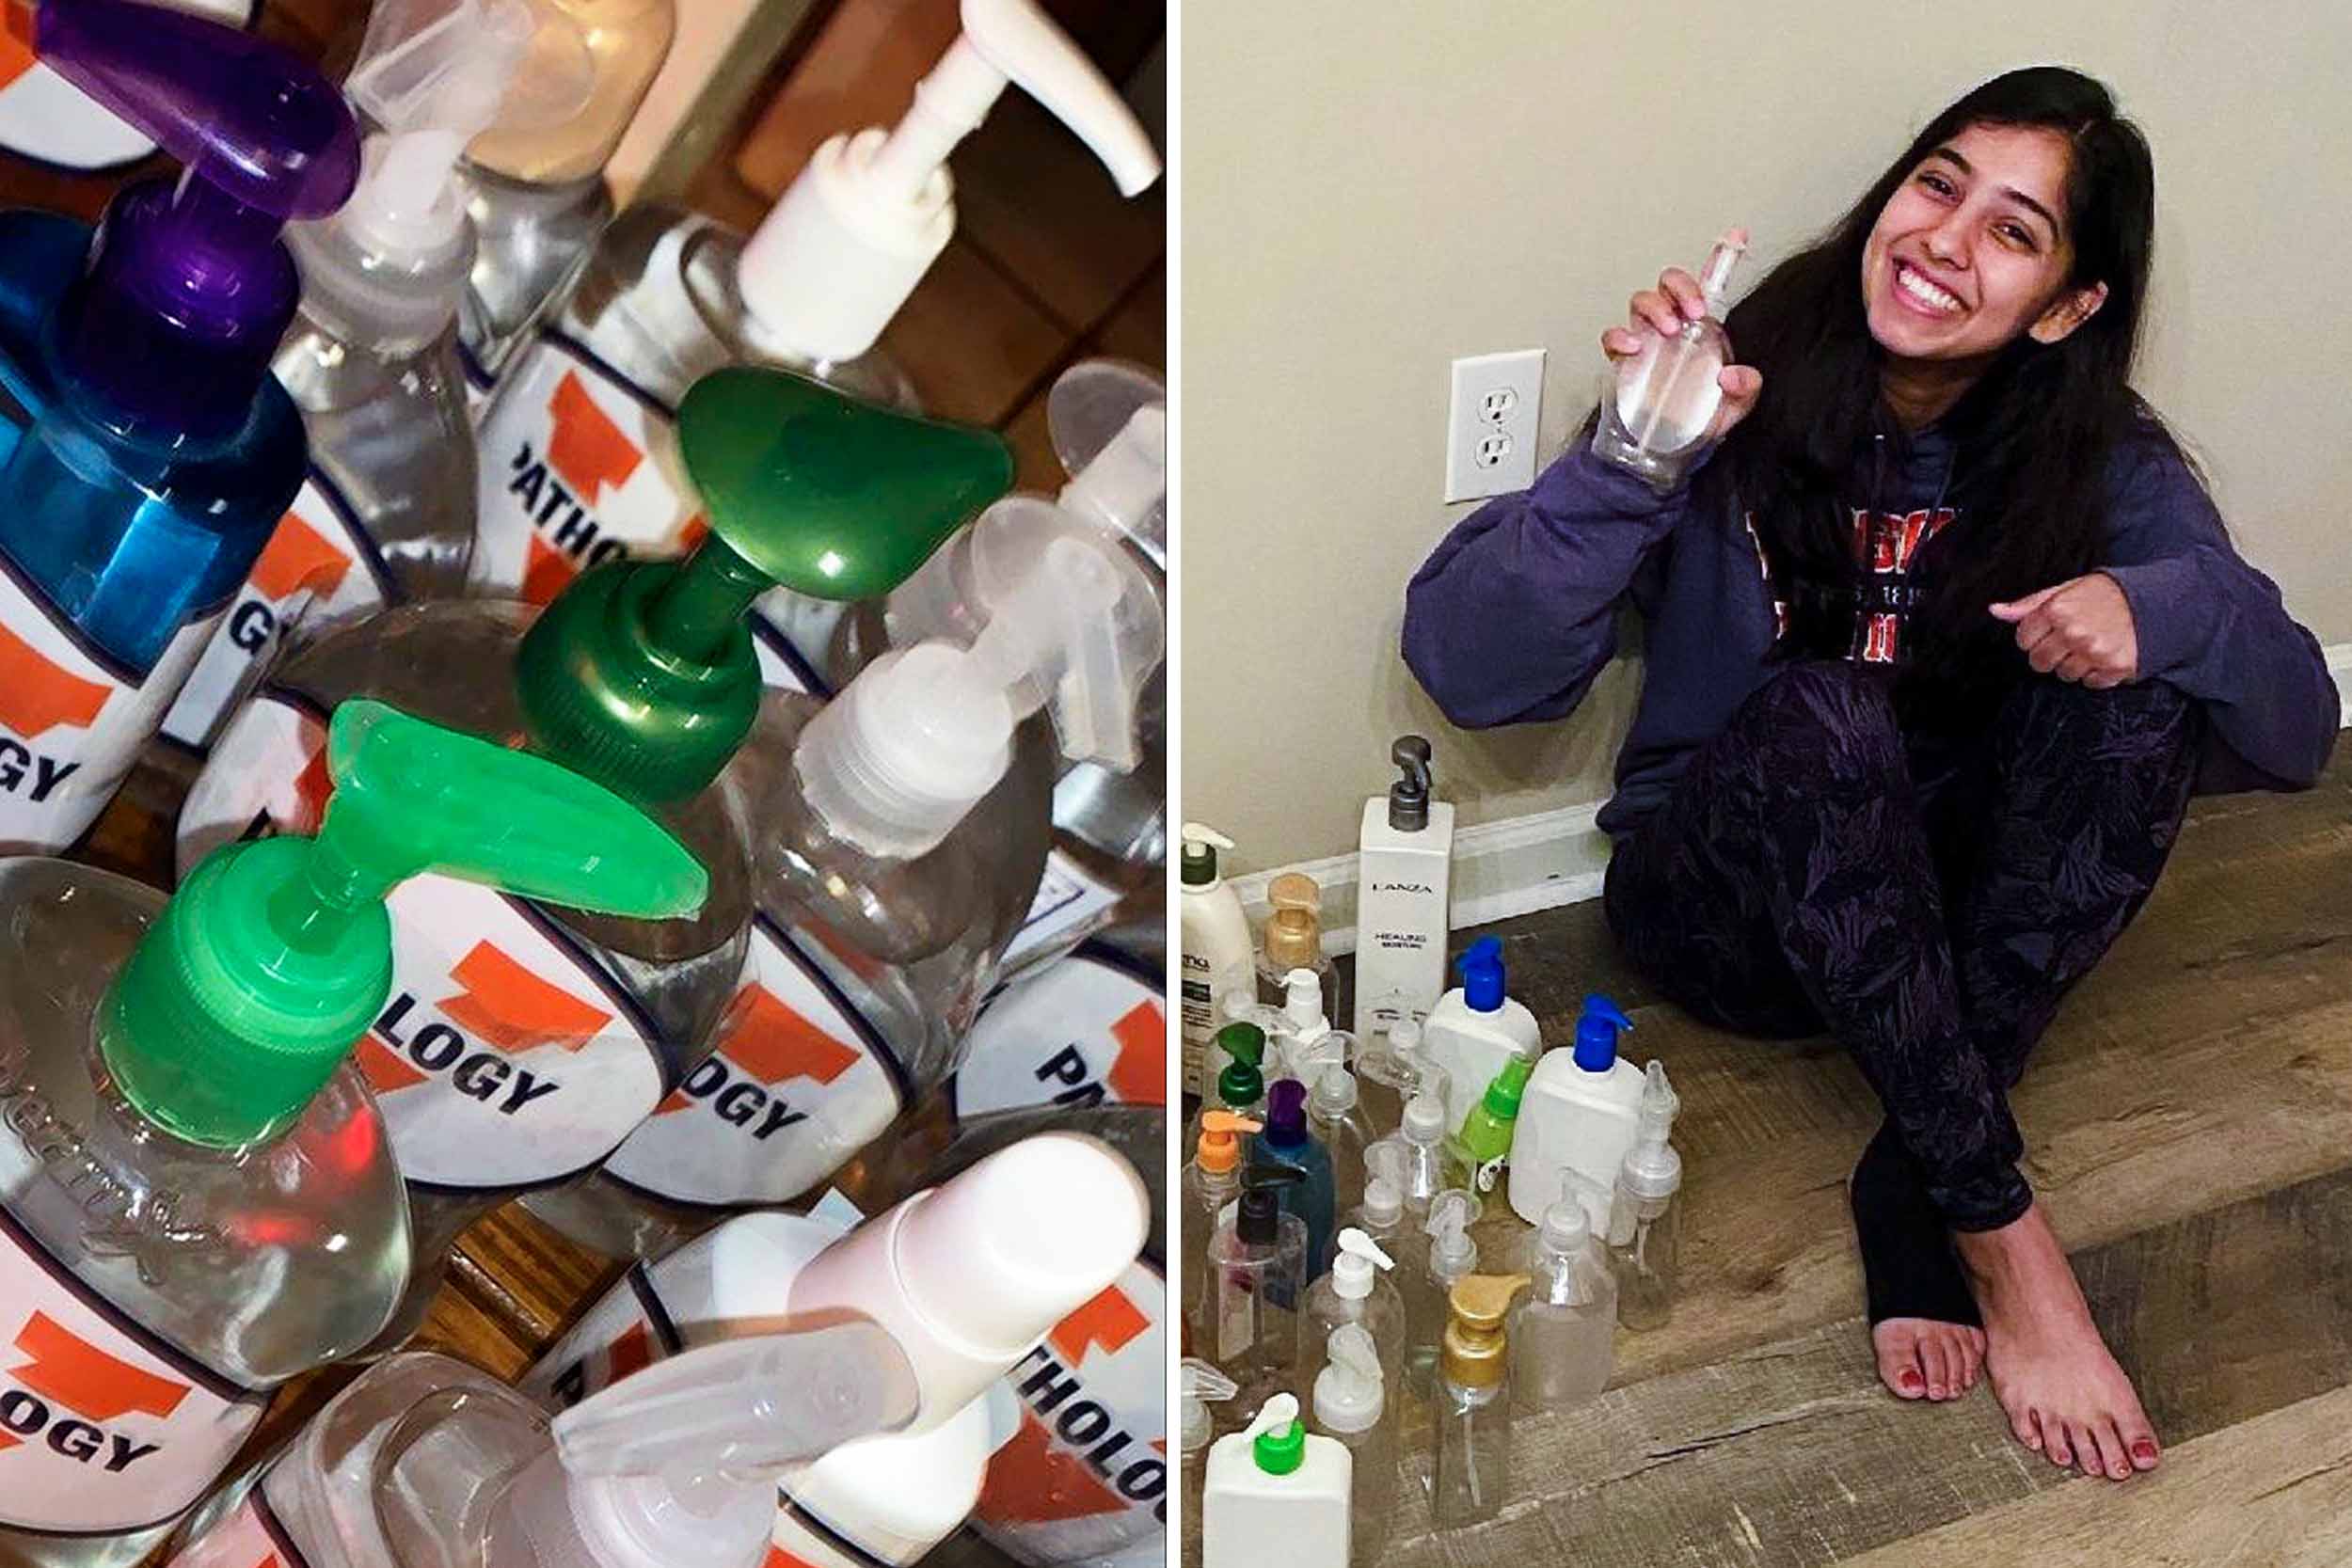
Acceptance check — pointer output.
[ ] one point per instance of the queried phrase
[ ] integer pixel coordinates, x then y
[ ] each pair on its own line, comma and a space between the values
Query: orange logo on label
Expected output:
36, 696
770, 1042
586, 448
312, 787
382, 1067
1110, 1321
631, 1352
16, 41
546, 572
778, 1557
85, 1379
515, 1010
1032, 1483
1139, 1076
297, 557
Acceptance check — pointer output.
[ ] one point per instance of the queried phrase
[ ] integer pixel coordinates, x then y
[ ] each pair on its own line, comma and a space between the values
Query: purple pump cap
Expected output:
1285, 1114
189, 288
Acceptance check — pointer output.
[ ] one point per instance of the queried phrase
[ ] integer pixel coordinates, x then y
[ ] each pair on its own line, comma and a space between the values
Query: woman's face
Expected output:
1971, 250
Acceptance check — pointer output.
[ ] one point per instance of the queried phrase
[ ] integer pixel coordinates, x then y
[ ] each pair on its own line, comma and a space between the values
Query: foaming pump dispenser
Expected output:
668, 296
522, 1045
387, 512
200, 1199
149, 452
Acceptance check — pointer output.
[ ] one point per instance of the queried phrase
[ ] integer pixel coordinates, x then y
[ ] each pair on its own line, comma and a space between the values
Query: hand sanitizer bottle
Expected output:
1644, 1224
1381, 1215
1420, 1168
1274, 1487
196, 1198
1393, 1069
1404, 875
1212, 1183
1336, 1123
1475, 1028
1452, 1256
1656, 406
1216, 954
538, 197
1563, 1333
1256, 1283
388, 510
1477, 1155
1472, 1473
1354, 1293
587, 409
425, 1461
522, 1046
1579, 1114
147, 452
1351, 1409
1201, 1384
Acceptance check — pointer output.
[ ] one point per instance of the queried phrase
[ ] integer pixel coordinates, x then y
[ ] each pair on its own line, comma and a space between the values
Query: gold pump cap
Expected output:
1292, 941
1475, 1343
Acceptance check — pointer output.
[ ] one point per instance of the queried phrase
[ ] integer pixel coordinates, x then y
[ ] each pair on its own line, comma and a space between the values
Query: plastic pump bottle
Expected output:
1475, 1028
425, 1461
1355, 1292
1420, 1168
668, 296
1472, 1473
1294, 941
1216, 956
1405, 875
1656, 406
1564, 1334
643, 678
1239, 1085
1335, 1121
1212, 1181
388, 510
1477, 1155
1200, 1385
1391, 1070
538, 198
148, 453
199, 1190
1381, 1215
1579, 1114
1351, 1407
1452, 1256
1274, 1485
1644, 1224
1257, 1284
1287, 1140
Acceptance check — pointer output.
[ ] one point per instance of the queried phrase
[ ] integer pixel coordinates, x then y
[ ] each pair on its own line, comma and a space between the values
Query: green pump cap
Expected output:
640, 675
1283, 1450
277, 955
1241, 1080
1508, 1089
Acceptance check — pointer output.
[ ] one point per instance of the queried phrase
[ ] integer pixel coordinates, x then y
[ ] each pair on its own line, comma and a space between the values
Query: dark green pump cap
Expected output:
642, 675
1243, 1080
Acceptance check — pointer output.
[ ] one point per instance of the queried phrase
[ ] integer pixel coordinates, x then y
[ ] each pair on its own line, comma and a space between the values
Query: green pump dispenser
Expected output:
642, 675
276, 956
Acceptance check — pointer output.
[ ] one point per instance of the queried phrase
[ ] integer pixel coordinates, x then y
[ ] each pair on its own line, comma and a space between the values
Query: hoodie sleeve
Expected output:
1515, 612
2212, 625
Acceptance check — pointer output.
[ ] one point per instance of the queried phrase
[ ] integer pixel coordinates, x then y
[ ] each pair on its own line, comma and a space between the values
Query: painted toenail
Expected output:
2145, 1451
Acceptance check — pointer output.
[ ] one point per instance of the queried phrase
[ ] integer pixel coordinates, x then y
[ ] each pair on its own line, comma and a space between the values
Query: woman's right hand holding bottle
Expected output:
1663, 312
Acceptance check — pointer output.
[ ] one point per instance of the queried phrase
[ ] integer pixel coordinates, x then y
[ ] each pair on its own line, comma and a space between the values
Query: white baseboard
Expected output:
1537, 861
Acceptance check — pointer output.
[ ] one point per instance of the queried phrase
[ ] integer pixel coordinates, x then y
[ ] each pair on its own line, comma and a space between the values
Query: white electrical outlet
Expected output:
1492, 424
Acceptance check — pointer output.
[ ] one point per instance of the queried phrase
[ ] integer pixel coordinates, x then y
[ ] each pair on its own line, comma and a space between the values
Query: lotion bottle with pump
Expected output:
1275, 1487
1475, 1028
1351, 1407
1563, 1333
1218, 957
1644, 1224
1404, 877
1580, 1112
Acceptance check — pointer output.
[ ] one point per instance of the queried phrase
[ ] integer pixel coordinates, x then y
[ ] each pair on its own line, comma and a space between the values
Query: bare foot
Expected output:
1924, 1358
2065, 1396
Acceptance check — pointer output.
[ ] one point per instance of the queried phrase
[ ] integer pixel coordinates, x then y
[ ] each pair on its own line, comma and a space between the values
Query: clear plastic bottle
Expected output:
1418, 1162
1428, 1292
1381, 1215
1563, 1333
1201, 1384
1294, 939
1644, 1222
197, 1201
1392, 1068
1257, 1286
1355, 1292
1351, 1406
1480, 1150
523, 1045
1288, 1140
1656, 406
1240, 1084
1472, 1473
1212, 1183
1336, 1122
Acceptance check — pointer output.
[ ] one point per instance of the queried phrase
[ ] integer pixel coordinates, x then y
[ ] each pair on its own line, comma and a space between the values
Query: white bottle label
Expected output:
799, 1082
1086, 1029
254, 1536
1071, 901
102, 1426
320, 566
71, 718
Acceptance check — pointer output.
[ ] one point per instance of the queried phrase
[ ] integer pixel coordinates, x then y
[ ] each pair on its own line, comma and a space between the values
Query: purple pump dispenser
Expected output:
188, 288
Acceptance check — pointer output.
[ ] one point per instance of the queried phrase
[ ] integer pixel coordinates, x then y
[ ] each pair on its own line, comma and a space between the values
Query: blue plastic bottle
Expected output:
146, 453
1287, 1141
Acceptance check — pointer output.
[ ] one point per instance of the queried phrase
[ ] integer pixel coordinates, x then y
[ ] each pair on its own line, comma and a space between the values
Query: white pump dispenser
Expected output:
830, 267
1351, 1405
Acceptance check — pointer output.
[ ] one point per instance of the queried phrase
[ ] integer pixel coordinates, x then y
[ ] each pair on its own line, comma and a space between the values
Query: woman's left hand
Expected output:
2078, 632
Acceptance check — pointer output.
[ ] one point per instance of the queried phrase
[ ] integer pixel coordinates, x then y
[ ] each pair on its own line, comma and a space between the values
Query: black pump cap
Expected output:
1258, 1219
1408, 798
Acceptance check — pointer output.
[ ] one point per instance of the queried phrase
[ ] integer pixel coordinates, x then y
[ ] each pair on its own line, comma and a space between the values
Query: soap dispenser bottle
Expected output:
1645, 1223
1212, 1183
1199, 1384
1257, 1284
522, 1046
199, 1200
387, 512
425, 1461
150, 453
1392, 1068
1404, 876
1452, 1257
1475, 1028
1217, 958
1357, 1292
1579, 1114
1335, 1121
1473, 1472
1563, 1333
1477, 1155
1351, 1406
1276, 1488
1287, 1140
668, 296
1240, 1084
1656, 407
1419, 1157
1292, 941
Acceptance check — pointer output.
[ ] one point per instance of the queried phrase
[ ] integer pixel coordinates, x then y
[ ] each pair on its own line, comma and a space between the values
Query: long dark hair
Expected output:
2035, 433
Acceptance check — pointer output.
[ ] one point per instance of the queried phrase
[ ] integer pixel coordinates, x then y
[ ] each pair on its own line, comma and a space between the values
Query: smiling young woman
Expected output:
1941, 634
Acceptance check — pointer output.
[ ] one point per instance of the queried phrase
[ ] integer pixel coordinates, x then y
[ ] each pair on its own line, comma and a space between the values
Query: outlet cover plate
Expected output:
1491, 422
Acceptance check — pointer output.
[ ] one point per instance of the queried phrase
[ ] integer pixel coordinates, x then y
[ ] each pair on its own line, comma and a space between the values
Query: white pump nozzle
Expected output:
1194, 833
1125, 487
1424, 1117
1302, 1003
1201, 1384
1384, 1197
1567, 1227
678, 1463
1332, 1093
1452, 1253
864, 220
1653, 1168
1350, 1395
1273, 1416
1352, 1272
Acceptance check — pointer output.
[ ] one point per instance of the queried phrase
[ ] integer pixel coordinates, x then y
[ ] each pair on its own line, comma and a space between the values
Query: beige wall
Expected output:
1372, 190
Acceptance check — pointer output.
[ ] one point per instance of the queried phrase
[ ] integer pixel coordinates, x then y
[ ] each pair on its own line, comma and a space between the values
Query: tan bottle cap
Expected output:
1295, 890
1292, 941
1474, 1342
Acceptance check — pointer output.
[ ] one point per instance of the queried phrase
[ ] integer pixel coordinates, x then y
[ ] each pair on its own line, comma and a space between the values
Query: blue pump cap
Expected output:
1482, 976
1596, 1034
1286, 1116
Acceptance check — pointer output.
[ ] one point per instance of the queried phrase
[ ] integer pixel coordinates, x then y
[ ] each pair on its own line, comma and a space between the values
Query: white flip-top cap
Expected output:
968, 1275
869, 214
1356, 1268
678, 1463
1350, 1395
1200, 1383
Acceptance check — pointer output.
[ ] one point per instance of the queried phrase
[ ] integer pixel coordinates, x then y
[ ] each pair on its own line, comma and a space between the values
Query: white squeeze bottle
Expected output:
1351, 1405
425, 1461
1405, 877
1474, 1029
1199, 1384
1218, 957
1655, 406
1274, 1490
1579, 1113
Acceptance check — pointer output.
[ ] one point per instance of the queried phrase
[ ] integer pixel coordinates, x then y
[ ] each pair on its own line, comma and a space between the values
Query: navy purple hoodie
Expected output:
1516, 611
